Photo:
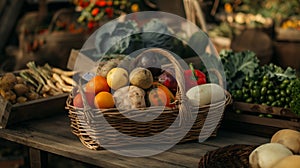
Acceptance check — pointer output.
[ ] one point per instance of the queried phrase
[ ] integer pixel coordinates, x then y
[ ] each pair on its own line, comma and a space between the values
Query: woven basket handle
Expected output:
86, 107
184, 112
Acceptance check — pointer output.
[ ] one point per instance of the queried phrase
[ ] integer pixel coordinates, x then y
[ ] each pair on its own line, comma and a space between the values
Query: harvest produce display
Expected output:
281, 152
35, 82
132, 83
268, 85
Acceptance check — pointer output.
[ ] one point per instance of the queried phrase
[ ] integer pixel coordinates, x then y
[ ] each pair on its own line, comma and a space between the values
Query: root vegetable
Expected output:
21, 99
8, 80
141, 77
117, 78
32, 95
289, 138
267, 155
20, 80
20, 89
57, 78
129, 97
63, 72
205, 94
64, 87
68, 80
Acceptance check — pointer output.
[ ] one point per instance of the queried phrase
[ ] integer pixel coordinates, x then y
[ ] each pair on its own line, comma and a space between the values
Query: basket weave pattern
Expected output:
92, 132
231, 156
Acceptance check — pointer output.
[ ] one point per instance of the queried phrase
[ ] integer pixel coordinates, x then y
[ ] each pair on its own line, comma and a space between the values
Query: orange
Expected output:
104, 100
97, 84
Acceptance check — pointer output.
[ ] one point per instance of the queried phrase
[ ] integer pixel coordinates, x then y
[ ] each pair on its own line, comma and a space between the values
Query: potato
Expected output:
289, 138
292, 161
20, 89
8, 80
141, 77
267, 155
117, 78
205, 94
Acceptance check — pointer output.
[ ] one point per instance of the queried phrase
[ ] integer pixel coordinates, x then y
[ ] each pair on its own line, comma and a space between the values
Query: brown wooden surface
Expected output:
53, 135
249, 121
35, 109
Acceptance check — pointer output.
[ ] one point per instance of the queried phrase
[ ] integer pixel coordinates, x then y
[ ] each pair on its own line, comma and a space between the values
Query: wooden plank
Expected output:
53, 135
38, 159
273, 122
8, 19
35, 109
287, 34
75, 150
251, 129
259, 108
195, 150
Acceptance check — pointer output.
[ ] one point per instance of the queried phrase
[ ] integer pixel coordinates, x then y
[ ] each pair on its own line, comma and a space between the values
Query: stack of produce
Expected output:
128, 83
268, 85
34, 83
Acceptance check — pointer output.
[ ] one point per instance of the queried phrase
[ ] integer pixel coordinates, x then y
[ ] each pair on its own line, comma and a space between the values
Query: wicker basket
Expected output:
232, 156
87, 123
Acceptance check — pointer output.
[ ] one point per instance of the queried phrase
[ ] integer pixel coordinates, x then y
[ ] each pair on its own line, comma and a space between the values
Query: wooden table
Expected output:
53, 135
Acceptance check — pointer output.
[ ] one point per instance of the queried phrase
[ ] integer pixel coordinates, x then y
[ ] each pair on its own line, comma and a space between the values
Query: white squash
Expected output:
267, 155
205, 94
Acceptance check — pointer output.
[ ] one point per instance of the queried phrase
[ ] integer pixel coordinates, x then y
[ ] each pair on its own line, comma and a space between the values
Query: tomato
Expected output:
78, 102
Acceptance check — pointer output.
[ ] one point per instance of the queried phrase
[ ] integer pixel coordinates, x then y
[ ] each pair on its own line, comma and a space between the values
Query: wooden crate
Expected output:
249, 121
35, 109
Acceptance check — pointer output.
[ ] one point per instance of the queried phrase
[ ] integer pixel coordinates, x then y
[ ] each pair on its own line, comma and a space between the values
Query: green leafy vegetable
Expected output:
237, 66
295, 103
273, 71
115, 38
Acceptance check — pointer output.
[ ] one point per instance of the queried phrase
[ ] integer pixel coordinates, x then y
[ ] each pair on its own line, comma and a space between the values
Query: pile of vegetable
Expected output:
282, 151
133, 83
34, 83
269, 84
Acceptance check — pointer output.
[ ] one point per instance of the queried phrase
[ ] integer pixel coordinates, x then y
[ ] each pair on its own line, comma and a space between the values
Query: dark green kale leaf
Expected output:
273, 71
115, 37
238, 65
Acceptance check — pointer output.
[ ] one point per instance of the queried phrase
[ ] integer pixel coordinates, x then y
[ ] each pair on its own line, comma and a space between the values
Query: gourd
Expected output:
205, 94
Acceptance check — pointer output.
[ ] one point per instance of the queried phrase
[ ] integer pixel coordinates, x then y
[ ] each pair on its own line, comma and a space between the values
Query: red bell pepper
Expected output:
193, 77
